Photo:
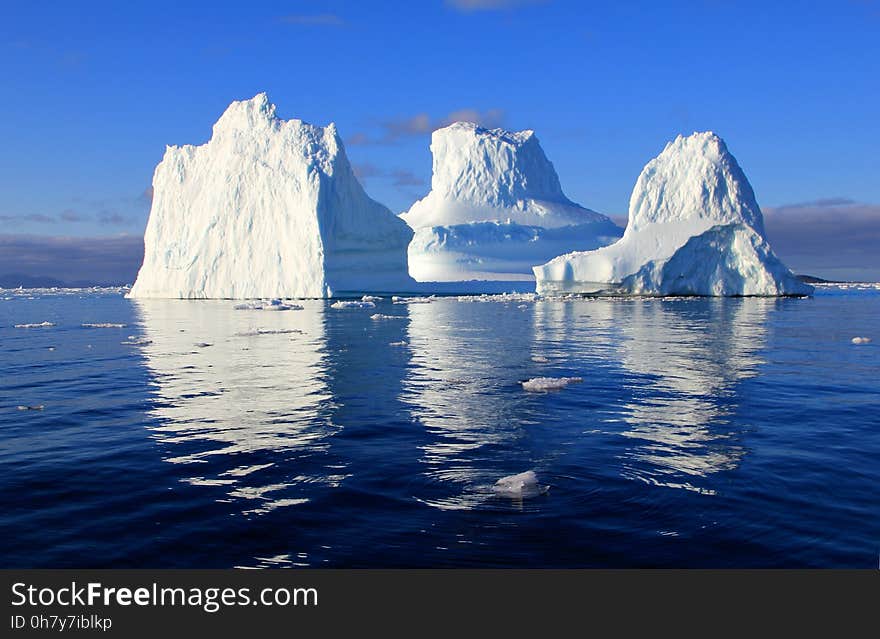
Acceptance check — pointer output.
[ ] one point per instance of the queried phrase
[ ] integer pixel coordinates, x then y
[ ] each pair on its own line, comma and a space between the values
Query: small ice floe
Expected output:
519, 486
37, 407
544, 384
352, 304
270, 305
861, 340
268, 331
402, 343
371, 298
412, 300
51, 348
540, 359
379, 316
136, 340
102, 325
40, 325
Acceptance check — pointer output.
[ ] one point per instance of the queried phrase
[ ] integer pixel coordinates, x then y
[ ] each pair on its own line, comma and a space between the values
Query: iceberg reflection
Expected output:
242, 399
688, 356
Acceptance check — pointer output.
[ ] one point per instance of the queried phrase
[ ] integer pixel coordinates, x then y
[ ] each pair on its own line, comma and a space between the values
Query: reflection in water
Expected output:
689, 356
464, 358
242, 398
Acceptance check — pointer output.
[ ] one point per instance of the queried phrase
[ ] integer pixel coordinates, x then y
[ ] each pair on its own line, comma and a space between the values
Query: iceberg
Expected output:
694, 229
495, 209
519, 486
267, 208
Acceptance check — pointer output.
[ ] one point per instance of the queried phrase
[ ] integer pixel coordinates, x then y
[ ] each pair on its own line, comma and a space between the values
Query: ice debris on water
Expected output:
861, 340
102, 325
371, 298
39, 325
401, 343
352, 304
269, 305
37, 407
136, 340
413, 300
379, 316
519, 486
268, 331
544, 384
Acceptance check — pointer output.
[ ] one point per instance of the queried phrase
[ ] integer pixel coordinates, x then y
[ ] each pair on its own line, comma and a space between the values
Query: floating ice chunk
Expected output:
519, 486
401, 343
861, 340
268, 331
540, 359
544, 384
352, 304
271, 305
40, 325
371, 298
102, 325
379, 316
38, 407
413, 300
135, 340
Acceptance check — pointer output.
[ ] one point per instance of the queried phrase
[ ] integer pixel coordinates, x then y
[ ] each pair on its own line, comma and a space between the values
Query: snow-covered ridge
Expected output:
267, 208
694, 228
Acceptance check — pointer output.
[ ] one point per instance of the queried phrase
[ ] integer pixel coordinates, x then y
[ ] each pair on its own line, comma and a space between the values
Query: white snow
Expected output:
270, 305
545, 384
496, 208
40, 325
352, 304
861, 340
267, 208
694, 229
518, 486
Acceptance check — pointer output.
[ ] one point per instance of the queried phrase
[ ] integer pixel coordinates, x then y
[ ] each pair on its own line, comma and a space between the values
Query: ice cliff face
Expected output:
495, 208
694, 229
267, 208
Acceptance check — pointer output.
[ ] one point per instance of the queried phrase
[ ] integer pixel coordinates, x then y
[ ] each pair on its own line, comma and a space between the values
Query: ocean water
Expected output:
704, 432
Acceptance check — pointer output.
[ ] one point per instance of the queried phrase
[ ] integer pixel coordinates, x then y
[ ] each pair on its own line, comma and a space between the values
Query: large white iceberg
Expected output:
267, 208
495, 209
694, 229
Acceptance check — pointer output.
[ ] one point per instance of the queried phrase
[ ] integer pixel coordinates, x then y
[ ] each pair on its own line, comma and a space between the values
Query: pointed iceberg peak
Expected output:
258, 112
694, 229
695, 179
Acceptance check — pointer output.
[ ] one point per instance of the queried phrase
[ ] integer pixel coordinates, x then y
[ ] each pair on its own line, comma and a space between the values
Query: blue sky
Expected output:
93, 91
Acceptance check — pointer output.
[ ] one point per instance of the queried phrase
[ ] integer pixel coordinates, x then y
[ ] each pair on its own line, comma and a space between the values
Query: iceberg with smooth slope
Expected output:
496, 208
694, 229
267, 208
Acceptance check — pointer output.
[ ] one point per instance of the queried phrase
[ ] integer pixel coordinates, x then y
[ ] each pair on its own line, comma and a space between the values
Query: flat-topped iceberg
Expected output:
694, 229
267, 208
496, 208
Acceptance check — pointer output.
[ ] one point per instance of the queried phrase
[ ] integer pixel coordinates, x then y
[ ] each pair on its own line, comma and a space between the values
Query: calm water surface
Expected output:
706, 432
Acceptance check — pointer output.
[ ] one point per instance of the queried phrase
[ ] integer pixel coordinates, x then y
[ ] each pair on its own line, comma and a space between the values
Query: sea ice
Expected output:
40, 325
519, 486
544, 384
103, 325
352, 304
861, 340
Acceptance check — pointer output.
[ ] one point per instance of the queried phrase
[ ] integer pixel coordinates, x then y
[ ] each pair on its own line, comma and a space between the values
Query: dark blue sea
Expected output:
704, 432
